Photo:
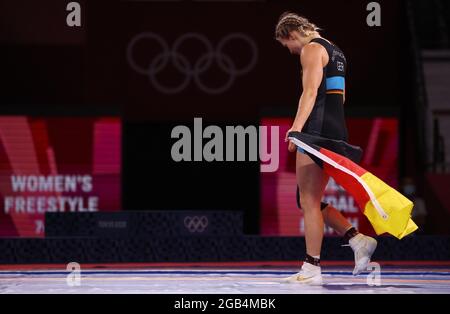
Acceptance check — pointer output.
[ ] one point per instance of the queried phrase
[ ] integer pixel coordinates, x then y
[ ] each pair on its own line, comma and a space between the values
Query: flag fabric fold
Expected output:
387, 210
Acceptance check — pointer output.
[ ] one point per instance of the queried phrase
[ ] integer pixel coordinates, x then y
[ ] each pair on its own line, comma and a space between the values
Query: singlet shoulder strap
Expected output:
326, 43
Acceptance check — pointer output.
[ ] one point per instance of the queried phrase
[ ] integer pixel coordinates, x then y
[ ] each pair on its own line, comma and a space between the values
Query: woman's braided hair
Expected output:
290, 21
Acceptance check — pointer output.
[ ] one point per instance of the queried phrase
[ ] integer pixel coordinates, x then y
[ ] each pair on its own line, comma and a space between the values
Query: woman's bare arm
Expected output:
312, 64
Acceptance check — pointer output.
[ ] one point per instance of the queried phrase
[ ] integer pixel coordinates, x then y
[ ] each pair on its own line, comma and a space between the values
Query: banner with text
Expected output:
56, 164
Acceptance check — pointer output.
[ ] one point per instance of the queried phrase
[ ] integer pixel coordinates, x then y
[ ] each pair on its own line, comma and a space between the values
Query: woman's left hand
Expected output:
292, 147
289, 131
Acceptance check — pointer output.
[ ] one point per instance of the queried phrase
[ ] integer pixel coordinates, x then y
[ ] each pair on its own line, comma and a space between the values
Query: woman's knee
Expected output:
309, 203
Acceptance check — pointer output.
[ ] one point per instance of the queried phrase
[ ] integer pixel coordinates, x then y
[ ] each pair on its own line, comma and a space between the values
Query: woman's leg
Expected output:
312, 182
334, 219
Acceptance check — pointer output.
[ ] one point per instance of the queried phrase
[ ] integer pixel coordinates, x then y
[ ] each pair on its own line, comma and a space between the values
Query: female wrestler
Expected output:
320, 112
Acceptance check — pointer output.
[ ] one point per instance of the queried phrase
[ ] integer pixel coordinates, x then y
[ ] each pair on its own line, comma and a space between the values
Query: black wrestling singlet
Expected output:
327, 116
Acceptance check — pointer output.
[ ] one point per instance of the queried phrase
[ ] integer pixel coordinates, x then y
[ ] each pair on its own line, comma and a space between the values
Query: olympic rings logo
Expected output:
196, 223
191, 70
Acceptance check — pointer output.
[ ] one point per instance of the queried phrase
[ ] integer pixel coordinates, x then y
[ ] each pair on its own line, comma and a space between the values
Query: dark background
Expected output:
49, 68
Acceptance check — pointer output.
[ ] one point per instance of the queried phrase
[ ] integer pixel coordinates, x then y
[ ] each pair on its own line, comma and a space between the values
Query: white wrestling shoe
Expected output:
363, 247
308, 275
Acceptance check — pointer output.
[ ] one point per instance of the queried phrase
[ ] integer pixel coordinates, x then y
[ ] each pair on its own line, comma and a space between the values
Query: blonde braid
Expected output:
290, 21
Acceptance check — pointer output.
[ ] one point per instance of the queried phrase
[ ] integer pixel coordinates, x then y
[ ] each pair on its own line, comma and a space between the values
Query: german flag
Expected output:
387, 210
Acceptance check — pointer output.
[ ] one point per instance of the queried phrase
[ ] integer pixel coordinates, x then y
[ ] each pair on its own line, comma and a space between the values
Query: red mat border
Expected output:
213, 264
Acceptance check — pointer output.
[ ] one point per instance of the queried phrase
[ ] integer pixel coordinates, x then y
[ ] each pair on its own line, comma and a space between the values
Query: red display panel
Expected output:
56, 164
378, 137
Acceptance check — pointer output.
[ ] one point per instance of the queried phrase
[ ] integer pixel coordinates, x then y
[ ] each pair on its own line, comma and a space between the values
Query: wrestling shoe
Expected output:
363, 247
308, 275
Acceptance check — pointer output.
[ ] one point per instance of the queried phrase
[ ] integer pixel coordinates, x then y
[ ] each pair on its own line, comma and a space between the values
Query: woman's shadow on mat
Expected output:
364, 286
